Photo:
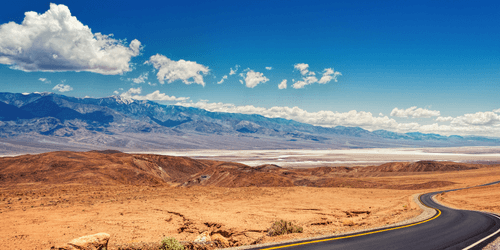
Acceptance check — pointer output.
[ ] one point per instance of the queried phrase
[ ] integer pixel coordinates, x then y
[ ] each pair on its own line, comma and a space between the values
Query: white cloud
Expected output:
496, 110
133, 93
414, 112
328, 75
305, 81
302, 67
140, 79
472, 124
222, 79
253, 78
232, 72
178, 70
57, 41
116, 92
309, 78
282, 85
444, 119
320, 118
380, 114
44, 80
62, 88
477, 119
269, 68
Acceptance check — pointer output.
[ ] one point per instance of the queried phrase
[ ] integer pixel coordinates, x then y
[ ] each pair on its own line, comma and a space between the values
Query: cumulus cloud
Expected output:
140, 79
478, 119
170, 70
496, 110
44, 80
320, 118
308, 77
444, 119
303, 68
305, 81
282, 85
134, 93
57, 41
471, 124
328, 75
222, 79
232, 72
62, 88
414, 112
269, 68
253, 78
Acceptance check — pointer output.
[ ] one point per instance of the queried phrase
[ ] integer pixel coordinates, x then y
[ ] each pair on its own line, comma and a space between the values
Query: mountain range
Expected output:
40, 122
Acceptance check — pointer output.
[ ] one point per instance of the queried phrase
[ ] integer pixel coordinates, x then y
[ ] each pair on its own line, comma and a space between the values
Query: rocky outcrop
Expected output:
91, 242
221, 239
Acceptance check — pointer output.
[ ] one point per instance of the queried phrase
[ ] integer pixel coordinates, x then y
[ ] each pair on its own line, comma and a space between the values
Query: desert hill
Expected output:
96, 168
420, 166
111, 167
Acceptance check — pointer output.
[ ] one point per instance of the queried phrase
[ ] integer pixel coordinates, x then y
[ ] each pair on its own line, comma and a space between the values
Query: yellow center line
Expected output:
361, 234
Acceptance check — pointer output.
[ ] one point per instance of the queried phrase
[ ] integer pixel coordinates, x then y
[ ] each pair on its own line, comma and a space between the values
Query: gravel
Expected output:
495, 245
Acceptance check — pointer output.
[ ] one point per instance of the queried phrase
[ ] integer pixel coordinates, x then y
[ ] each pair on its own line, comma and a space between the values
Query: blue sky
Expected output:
428, 66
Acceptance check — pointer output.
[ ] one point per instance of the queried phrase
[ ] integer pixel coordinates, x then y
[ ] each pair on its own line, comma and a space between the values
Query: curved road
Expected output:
448, 229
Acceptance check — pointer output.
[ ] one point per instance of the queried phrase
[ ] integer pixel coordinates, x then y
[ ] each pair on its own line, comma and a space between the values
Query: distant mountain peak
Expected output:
120, 123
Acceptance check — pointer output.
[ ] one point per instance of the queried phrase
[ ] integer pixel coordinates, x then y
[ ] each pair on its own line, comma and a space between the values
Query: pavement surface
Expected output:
448, 229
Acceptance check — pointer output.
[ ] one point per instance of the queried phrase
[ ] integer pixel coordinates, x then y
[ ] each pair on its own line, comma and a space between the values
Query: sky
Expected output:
402, 66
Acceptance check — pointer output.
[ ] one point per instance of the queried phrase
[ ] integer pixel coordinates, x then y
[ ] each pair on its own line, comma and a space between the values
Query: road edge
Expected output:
427, 213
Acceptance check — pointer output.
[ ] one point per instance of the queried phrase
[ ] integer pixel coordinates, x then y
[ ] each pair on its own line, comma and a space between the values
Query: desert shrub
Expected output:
169, 243
283, 227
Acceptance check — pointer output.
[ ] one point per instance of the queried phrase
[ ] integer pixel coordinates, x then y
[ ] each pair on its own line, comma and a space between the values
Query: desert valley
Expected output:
257, 125
51, 198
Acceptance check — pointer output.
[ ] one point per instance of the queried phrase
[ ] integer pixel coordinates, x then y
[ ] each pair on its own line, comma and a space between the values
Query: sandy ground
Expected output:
38, 217
479, 198
56, 215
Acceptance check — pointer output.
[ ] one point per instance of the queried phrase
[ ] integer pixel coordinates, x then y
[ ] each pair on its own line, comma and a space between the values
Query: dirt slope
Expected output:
97, 168
420, 166
113, 167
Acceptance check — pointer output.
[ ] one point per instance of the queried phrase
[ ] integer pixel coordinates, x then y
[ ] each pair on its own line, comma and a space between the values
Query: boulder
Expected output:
203, 237
221, 239
91, 242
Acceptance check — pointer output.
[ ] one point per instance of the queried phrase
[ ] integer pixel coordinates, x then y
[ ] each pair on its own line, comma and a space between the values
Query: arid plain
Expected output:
49, 199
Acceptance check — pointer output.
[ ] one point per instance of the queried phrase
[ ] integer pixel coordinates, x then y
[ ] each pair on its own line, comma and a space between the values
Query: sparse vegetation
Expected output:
283, 227
169, 243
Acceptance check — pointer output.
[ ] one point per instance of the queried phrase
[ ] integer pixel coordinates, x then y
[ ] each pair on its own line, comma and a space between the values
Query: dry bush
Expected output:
283, 227
169, 243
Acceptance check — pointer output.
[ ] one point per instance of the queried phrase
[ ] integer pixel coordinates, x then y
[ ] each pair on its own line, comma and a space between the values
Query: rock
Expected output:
221, 239
62, 247
203, 237
91, 242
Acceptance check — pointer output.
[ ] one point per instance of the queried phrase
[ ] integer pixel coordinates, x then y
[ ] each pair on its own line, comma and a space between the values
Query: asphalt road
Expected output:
448, 229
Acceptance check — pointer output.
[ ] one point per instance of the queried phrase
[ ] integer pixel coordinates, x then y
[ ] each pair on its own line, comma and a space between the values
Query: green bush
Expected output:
169, 243
283, 227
